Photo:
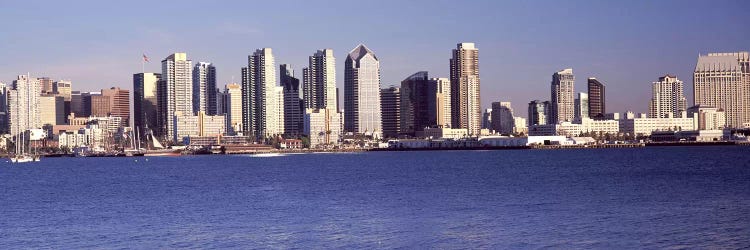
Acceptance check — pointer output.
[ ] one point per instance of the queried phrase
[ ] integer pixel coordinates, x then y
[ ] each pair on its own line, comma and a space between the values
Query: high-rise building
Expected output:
581, 106
487, 119
319, 81
52, 110
63, 88
538, 112
174, 92
443, 101
362, 113
262, 99
390, 110
667, 99
86, 103
144, 101
100, 105
3, 108
23, 105
204, 88
465, 102
119, 104
76, 103
502, 118
562, 97
418, 103
597, 99
292, 103
233, 95
722, 80
47, 86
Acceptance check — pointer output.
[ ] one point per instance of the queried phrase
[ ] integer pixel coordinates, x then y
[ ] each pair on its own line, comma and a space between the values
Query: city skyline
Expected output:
517, 59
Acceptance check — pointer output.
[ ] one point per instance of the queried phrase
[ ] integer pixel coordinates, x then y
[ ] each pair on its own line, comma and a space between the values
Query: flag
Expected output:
145, 58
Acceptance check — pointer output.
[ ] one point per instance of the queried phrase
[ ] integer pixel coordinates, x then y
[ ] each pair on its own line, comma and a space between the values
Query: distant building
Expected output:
47, 86
520, 126
293, 105
174, 92
52, 110
502, 118
581, 106
597, 99
390, 109
362, 112
233, 93
323, 126
263, 107
465, 86
487, 119
199, 125
23, 105
119, 104
562, 102
418, 104
709, 118
668, 98
446, 133
722, 80
144, 101
64, 88
443, 101
644, 126
204, 88
538, 112
319, 81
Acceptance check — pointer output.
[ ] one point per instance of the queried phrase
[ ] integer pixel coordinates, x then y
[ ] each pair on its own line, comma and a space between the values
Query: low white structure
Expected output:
644, 126
446, 133
91, 136
504, 141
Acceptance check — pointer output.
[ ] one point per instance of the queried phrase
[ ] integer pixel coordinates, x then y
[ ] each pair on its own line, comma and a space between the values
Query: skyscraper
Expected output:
76, 103
144, 101
51, 110
562, 99
233, 97
3, 108
319, 81
390, 109
174, 92
292, 103
538, 112
668, 98
465, 103
581, 106
502, 118
362, 112
119, 103
204, 88
23, 105
722, 80
418, 103
63, 88
47, 85
262, 99
443, 100
597, 99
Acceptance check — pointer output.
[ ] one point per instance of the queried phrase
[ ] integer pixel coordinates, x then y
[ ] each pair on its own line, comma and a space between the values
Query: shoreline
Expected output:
357, 150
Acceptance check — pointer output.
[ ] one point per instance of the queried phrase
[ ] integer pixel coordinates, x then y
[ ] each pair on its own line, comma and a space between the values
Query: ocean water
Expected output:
670, 197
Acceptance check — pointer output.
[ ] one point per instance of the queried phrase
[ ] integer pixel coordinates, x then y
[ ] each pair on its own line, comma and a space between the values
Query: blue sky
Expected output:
626, 44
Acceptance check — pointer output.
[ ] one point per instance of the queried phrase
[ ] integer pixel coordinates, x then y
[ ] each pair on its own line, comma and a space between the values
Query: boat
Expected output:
158, 150
20, 156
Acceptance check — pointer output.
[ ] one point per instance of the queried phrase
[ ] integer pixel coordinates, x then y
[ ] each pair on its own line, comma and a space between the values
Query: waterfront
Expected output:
652, 197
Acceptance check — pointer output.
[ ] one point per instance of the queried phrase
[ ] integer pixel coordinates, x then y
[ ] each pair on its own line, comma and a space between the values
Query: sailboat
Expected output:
20, 156
157, 149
